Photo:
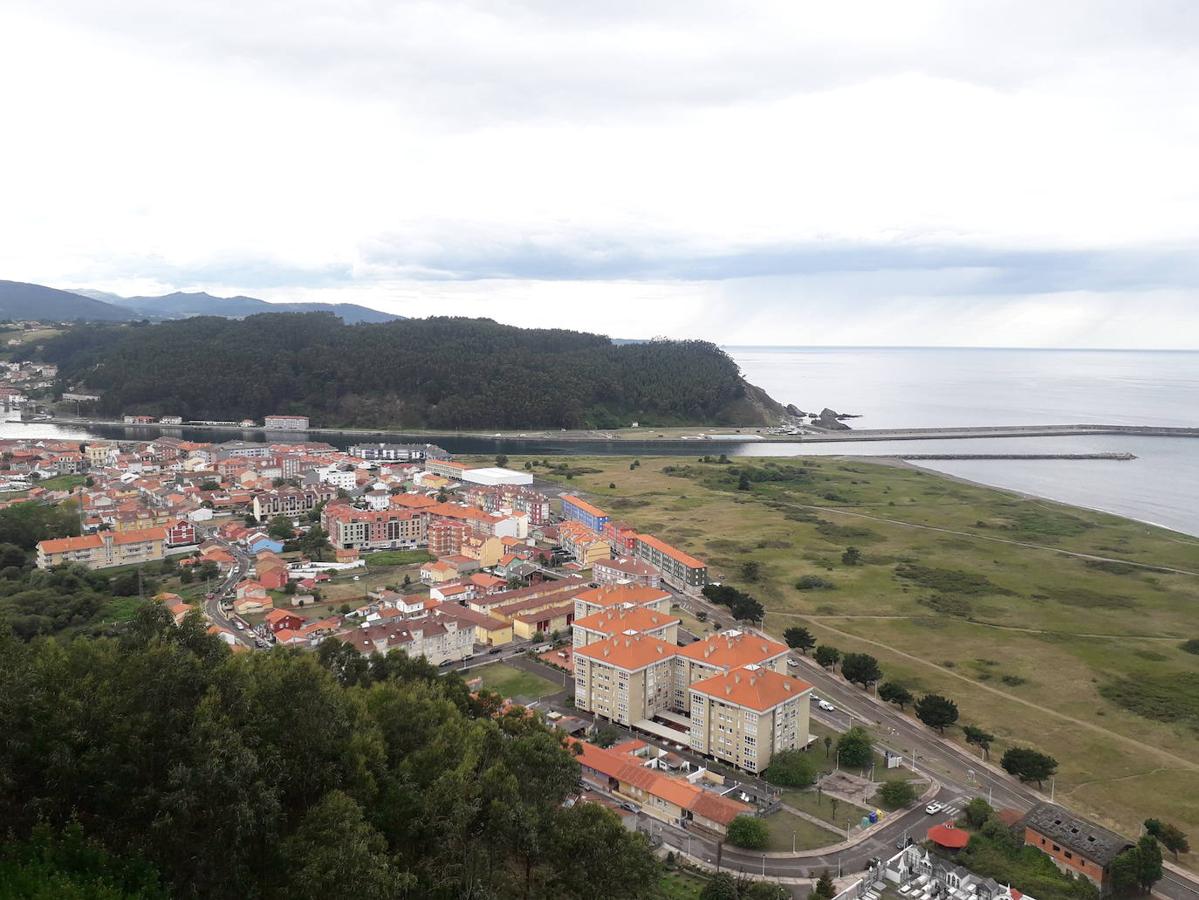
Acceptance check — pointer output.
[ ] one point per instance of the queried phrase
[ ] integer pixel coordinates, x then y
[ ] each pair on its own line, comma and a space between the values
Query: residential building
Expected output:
627, 678
495, 475
916, 872
745, 716
180, 533
103, 549
362, 529
437, 639
291, 502
1074, 844
489, 631
556, 618
447, 468
615, 596
575, 509
285, 423
624, 570
678, 569
397, 452
721, 653
681, 802
621, 620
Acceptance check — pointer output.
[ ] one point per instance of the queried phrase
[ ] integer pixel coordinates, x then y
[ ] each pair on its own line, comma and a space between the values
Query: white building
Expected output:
285, 423
495, 475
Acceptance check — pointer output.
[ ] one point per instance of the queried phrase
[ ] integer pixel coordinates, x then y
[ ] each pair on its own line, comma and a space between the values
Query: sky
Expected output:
852, 173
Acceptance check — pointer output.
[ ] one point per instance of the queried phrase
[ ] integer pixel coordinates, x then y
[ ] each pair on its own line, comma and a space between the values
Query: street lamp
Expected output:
793, 843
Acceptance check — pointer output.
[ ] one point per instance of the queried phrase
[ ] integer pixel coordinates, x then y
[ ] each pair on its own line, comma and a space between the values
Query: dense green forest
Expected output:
433, 373
157, 763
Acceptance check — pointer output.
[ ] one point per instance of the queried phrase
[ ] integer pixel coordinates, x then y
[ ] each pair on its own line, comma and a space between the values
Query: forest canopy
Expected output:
433, 373
158, 763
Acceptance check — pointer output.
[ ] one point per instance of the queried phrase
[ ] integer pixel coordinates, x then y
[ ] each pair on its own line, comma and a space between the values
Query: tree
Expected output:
1028, 764
827, 656
897, 794
186, 576
894, 692
979, 738
606, 736
501, 460
743, 483
250, 521
791, 768
824, 887
210, 485
281, 528
828, 743
936, 711
748, 832
1124, 873
751, 570
721, 886
855, 749
799, 638
852, 556
861, 668
1149, 862
606, 860
977, 812
314, 543
1170, 836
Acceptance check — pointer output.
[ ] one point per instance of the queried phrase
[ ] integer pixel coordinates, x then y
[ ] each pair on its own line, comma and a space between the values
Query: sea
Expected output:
934, 387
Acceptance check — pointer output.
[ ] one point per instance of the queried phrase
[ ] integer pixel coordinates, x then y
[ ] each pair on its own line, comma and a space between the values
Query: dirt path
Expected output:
1131, 743
1124, 635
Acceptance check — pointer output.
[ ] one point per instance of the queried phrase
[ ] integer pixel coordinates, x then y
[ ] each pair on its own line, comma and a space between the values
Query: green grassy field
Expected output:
682, 886
512, 682
786, 828
964, 590
822, 808
61, 482
385, 558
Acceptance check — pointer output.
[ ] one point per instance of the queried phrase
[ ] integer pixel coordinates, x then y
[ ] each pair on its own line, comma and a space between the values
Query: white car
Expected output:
933, 808
826, 706
793, 663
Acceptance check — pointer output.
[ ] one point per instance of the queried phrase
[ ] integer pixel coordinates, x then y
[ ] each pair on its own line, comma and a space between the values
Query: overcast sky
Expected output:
959, 173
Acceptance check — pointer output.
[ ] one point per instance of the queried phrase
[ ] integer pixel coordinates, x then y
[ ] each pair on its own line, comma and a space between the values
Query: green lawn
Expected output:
121, 609
61, 482
807, 835
682, 886
959, 592
822, 808
512, 682
396, 558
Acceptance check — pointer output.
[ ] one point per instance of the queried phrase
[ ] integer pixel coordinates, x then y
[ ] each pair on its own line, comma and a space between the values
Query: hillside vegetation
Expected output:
160, 764
963, 591
432, 373
20, 300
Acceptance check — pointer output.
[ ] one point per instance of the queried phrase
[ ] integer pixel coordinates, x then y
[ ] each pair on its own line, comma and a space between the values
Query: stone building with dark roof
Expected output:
1074, 844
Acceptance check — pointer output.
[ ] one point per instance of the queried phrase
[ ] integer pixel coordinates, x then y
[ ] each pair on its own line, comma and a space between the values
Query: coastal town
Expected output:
674, 716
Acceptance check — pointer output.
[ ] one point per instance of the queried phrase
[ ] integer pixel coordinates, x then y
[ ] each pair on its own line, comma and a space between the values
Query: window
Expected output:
1069, 855
1057, 849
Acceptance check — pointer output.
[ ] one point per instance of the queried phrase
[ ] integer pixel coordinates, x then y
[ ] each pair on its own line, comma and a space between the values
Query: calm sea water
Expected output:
919, 387
934, 387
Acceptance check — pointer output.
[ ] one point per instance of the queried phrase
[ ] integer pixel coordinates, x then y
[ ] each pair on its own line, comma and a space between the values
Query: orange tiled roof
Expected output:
752, 687
583, 505
733, 649
618, 620
628, 651
673, 552
619, 594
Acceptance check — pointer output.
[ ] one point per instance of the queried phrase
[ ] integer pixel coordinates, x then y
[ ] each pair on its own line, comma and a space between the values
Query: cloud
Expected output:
920, 159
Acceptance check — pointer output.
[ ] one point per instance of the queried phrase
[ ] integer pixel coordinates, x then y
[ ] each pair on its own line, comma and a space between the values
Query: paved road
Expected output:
960, 773
212, 608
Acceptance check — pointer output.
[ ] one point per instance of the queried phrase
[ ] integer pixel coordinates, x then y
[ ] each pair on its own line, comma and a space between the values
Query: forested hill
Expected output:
433, 373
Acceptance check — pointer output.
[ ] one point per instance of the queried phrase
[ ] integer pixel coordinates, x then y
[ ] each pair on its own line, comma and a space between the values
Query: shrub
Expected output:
748, 832
816, 583
897, 794
791, 768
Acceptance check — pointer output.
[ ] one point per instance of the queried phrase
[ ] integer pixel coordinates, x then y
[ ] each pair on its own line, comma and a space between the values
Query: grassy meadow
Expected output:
961, 589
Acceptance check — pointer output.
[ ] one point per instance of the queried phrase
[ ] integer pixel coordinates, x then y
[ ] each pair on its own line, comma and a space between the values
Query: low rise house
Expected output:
104, 549
1074, 844
438, 639
625, 570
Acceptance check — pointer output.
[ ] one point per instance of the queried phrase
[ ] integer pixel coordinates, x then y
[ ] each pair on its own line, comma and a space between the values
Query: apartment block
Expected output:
745, 716
625, 678
610, 622
680, 570
575, 509
363, 529
104, 549
595, 600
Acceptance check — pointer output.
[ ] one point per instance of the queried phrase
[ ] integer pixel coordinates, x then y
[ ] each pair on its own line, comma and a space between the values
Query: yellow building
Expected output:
104, 549
745, 716
546, 621
487, 550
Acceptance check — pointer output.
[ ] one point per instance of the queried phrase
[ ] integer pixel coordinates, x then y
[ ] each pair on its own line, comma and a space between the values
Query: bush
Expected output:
748, 832
791, 768
897, 794
814, 583
1191, 646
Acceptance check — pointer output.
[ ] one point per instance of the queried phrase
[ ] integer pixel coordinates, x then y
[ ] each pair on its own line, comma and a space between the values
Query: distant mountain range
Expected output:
19, 300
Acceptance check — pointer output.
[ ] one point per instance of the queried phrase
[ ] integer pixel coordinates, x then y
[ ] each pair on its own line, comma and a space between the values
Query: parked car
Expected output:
793, 663
935, 807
